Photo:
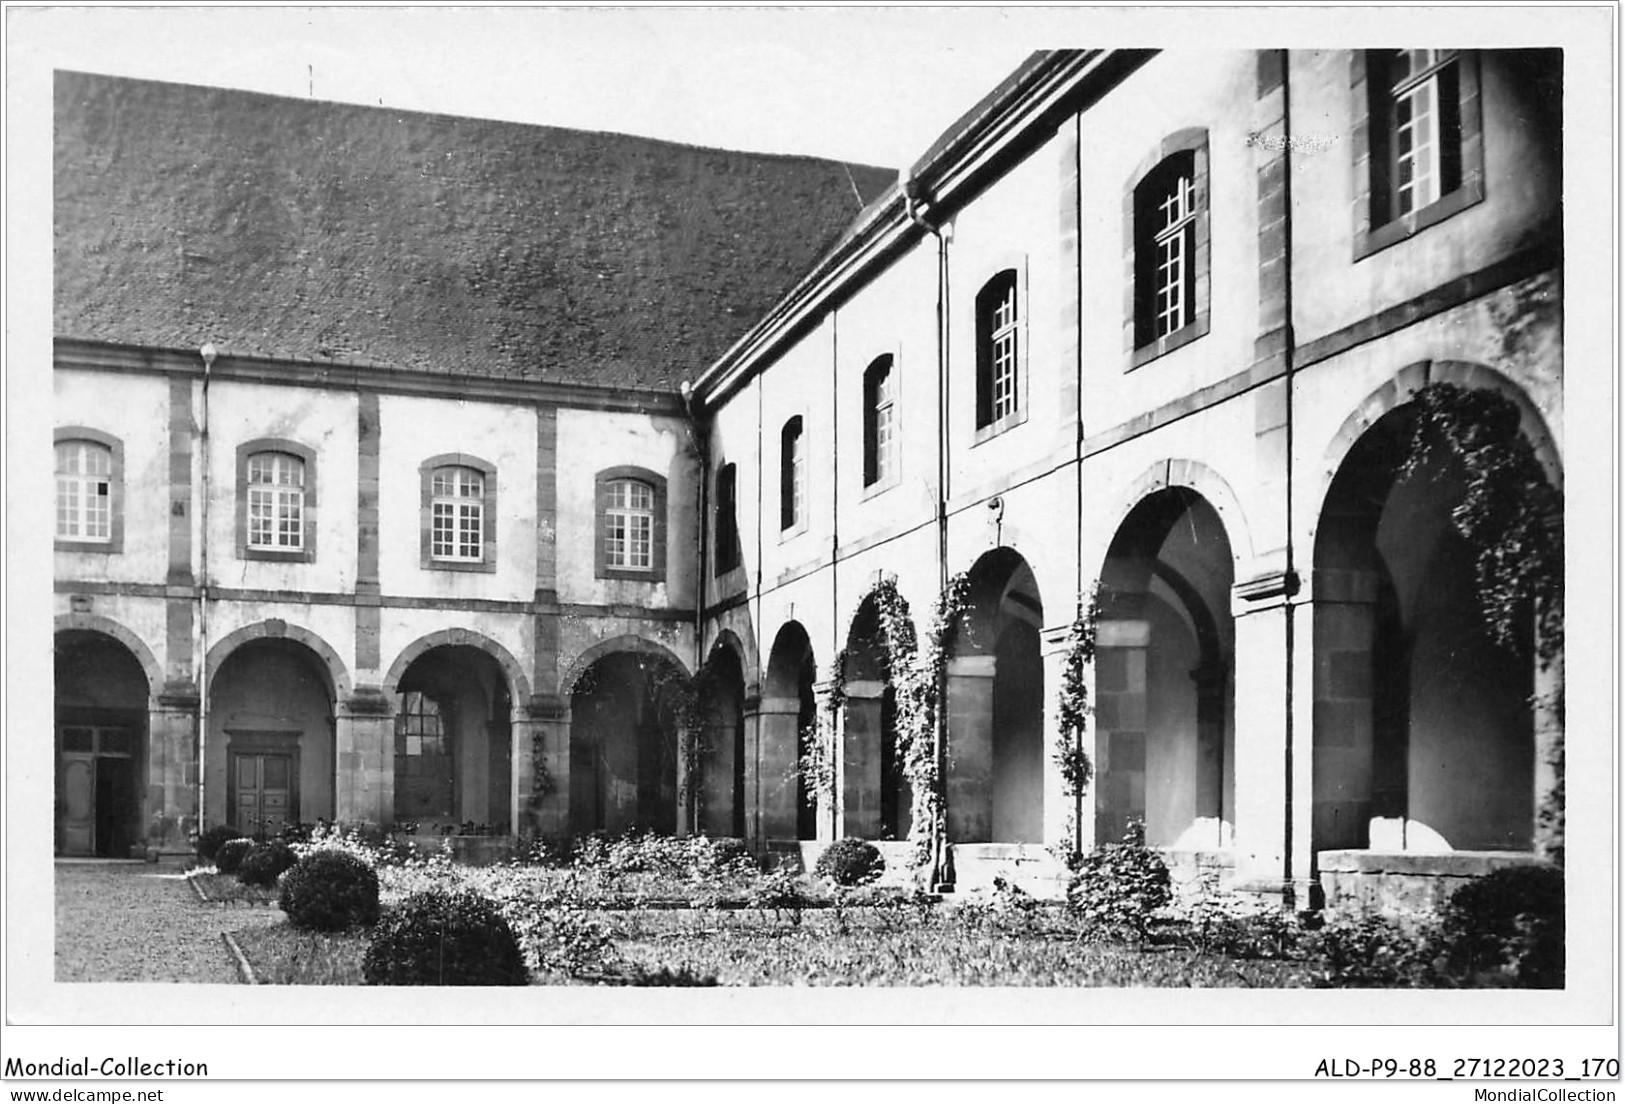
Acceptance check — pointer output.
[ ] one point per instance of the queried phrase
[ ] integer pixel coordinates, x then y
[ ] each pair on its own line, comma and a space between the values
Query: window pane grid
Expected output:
629, 525
1175, 240
84, 491
883, 428
1420, 84
1002, 351
276, 501
457, 514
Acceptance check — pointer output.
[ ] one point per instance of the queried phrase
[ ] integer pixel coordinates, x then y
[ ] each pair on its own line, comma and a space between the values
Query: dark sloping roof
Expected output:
306, 230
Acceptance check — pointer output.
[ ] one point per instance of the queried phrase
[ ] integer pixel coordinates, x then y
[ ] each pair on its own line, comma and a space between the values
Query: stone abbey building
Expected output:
513, 481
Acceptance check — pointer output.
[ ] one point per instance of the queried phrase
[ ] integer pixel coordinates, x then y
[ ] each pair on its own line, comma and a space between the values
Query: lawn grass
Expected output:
281, 954
226, 889
826, 948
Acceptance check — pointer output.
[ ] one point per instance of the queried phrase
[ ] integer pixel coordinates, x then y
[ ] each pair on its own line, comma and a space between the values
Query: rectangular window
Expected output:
629, 525
1419, 147
276, 501
457, 515
84, 491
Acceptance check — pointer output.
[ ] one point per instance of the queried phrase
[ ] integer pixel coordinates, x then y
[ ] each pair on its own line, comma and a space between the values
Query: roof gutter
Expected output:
957, 168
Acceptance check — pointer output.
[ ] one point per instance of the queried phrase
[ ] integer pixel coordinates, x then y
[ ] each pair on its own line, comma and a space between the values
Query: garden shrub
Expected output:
208, 843
265, 862
1240, 925
1504, 929
1117, 887
229, 858
683, 976
441, 937
1370, 951
780, 890
850, 862
732, 855
330, 891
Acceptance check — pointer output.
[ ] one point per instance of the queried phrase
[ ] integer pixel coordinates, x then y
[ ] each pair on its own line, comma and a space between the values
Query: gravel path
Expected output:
134, 922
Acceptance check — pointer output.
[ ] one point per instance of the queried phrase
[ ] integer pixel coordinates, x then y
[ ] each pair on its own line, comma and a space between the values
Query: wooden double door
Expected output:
262, 797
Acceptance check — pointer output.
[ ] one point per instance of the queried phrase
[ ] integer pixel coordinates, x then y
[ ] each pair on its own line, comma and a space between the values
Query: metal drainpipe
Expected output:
698, 435
208, 353
912, 192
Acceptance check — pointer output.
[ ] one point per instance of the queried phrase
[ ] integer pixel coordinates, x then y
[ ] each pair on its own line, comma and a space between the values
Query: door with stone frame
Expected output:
97, 805
263, 795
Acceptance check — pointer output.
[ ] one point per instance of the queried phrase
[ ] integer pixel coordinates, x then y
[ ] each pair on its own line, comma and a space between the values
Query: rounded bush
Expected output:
229, 859
442, 937
850, 862
1507, 928
265, 862
208, 842
729, 851
330, 891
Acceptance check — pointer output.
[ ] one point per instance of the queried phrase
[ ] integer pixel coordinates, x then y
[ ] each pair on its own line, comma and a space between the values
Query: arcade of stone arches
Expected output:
1424, 728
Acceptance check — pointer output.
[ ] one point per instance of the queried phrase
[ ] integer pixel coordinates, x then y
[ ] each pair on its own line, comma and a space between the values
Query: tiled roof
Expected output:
305, 230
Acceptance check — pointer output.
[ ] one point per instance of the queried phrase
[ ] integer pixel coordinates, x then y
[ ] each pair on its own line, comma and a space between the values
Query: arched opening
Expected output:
624, 744
1164, 696
877, 799
453, 742
101, 745
995, 707
269, 759
1424, 730
720, 789
789, 720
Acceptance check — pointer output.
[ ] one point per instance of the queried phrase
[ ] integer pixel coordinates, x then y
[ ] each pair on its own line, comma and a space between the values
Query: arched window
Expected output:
998, 353
631, 525
88, 475
879, 422
459, 513
792, 507
276, 501
1168, 238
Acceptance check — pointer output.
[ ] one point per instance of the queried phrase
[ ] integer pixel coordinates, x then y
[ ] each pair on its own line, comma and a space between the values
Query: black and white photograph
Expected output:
1097, 518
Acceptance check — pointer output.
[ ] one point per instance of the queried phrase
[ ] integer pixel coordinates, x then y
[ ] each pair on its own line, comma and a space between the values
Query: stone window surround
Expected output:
1195, 141
247, 449
1015, 270
487, 563
884, 480
725, 533
602, 569
794, 429
1369, 238
115, 490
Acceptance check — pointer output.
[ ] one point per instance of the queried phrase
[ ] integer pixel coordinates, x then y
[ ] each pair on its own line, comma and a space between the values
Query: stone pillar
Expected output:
1211, 680
716, 781
830, 727
969, 784
365, 739
685, 800
777, 723
172, 770
541, 739
1273, 750
1347, 810
859, 772
1549, 759
1120, 721
1066, 822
